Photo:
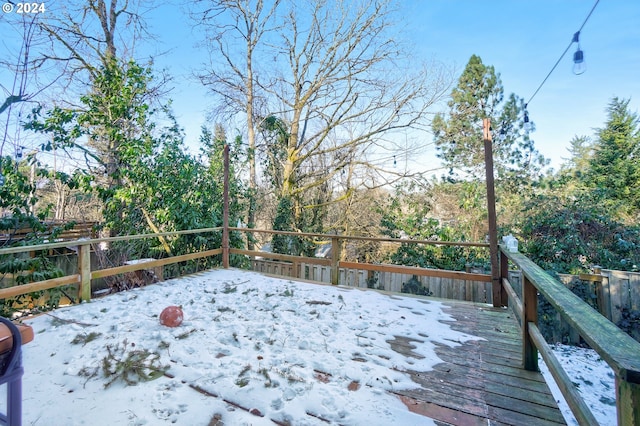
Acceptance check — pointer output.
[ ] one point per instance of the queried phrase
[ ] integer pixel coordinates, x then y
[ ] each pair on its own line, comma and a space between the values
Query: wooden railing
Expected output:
619, 350
85, 274
335, 263
79, 230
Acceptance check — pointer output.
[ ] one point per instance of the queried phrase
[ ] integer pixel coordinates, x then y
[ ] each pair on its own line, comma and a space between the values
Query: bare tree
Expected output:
86, 35
20, 84
234, 30
334, 74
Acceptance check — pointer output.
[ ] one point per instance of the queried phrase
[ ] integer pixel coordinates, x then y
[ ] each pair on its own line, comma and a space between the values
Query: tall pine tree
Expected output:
614, 169
458, 136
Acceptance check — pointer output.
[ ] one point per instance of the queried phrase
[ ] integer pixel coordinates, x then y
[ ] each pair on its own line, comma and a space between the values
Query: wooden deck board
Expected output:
480, 382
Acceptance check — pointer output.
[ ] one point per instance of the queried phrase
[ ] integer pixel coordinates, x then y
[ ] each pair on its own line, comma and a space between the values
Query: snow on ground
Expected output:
293, 352
288, 350
593, 378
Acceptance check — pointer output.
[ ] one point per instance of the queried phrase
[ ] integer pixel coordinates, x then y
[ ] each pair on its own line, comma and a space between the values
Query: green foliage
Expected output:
629, 321
581, 149
569, 234
276, 134
549, 320
283, 222
409, 218
415, 286
144, 178
459, 137
124, 362
614, 168
17, 195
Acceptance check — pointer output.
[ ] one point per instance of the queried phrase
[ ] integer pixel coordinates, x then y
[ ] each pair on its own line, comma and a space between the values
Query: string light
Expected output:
578, 53
527, 123
579, 67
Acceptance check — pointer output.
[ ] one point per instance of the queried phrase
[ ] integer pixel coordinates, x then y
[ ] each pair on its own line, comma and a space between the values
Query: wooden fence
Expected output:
618, 289
79, 230
610, 291
471, 290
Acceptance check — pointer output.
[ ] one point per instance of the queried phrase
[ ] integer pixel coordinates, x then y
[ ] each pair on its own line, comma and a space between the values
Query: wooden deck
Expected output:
481, 383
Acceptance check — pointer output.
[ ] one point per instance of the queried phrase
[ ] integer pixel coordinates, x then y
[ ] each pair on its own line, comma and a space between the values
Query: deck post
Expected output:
529, 315
335, 260
225, 212
84, 269
628, 401
496, 283
504, 274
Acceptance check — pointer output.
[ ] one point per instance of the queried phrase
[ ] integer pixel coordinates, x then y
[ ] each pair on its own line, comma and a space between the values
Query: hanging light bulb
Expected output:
527, 123
579, 66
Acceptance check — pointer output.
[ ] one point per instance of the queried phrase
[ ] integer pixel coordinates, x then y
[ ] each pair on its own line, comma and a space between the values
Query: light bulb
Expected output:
579, 66
527, 123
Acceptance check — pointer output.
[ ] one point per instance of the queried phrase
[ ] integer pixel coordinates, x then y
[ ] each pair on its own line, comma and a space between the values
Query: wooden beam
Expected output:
529, 316
152, 264
285, 257
225, 209
335, 260
491, 213
359, 238
84, 270
628, 402
504, 274
578, 407
48, 246
513, 298
37, 286
413, 270
615, 346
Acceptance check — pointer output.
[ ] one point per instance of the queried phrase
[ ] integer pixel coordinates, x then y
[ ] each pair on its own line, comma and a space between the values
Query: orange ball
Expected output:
171, 316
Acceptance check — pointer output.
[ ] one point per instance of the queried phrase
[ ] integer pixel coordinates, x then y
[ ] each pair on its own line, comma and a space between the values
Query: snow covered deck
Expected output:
481, 382
260, 350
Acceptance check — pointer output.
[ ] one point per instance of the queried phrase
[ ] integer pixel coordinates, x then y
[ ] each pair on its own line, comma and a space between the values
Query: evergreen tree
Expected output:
458, 136
581, 150
614, 169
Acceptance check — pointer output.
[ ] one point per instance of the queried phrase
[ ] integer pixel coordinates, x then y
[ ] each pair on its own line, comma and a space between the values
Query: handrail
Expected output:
619, 350
86, 275
83, 241
361, 238
579, 408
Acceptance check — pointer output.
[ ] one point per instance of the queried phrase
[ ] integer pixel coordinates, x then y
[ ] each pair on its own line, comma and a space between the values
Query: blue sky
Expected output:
522, 39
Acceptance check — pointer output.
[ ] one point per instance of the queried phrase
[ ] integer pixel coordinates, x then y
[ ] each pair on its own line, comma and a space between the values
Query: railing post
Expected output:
84, 269
225, 208
496, 289
504, 273
294, 271
529, 315
335, 260
628, 401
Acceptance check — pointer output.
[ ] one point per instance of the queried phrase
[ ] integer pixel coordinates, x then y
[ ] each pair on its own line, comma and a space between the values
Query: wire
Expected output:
563, 53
